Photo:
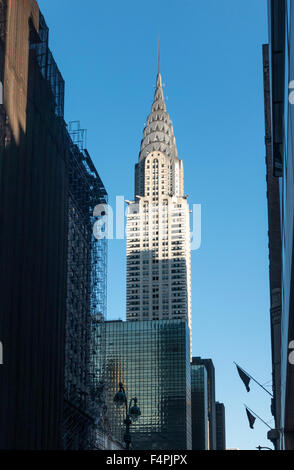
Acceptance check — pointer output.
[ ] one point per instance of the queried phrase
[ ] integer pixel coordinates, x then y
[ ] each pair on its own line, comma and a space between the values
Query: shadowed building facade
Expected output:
275, 246
33, 240
49, 282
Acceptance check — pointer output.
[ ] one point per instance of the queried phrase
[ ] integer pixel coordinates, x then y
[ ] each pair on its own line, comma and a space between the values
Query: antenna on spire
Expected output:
158, 54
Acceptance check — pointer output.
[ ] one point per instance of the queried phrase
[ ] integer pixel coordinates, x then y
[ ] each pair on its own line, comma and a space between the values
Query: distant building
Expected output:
152, 359
279, 107
199, 405
211, 398
220, 426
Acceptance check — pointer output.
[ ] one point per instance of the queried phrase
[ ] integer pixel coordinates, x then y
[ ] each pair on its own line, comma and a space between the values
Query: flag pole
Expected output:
257, 416
254, 380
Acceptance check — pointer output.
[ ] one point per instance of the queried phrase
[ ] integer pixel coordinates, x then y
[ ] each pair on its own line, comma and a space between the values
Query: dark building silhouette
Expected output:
220, 417
211, 398
33, 240
52, 273
279, 106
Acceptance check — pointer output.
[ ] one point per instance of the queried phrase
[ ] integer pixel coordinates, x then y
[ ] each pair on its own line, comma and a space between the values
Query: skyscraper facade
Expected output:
152, 360
275, 247
158, 228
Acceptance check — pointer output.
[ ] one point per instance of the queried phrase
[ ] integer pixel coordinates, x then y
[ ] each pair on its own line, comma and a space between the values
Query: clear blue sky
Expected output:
211, 62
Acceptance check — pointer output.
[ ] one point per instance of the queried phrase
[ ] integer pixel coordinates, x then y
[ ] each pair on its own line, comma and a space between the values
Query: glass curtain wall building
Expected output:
152, 360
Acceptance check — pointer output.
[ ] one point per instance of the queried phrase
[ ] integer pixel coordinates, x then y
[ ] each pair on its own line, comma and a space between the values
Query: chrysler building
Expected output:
158, 225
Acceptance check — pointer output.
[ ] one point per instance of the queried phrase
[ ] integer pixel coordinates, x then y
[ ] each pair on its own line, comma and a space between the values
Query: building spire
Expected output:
158, 55
158, 133
158, 80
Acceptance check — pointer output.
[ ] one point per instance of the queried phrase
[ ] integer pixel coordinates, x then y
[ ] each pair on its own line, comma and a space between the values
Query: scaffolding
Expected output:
47, 65
78, 135
83, 424
89, 191
86, 300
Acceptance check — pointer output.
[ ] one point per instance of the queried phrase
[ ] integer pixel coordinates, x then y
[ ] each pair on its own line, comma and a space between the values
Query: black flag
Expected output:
244, 377
251, 418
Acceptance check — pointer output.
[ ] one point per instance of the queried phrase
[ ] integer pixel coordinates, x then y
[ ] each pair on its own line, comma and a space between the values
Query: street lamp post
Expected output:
132, 412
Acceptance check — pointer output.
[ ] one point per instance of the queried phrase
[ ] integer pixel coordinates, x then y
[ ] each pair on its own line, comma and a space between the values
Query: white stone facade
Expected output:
158, 226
